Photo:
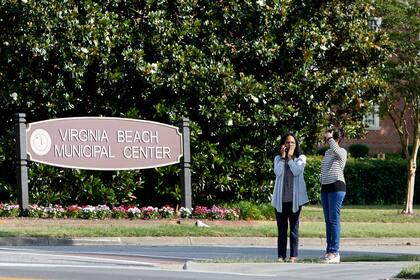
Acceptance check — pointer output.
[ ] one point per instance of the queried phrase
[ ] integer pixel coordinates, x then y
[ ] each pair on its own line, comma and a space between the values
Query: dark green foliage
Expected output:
312, 179
51, 185
377, 182
410, 151
359, 150
393, 156
369, 181
244, 72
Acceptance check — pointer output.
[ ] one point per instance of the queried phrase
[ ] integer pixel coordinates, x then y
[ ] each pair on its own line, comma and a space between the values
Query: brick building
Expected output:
382, 136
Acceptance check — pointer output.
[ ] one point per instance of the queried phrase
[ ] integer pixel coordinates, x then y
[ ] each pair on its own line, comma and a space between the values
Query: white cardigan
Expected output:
300, 195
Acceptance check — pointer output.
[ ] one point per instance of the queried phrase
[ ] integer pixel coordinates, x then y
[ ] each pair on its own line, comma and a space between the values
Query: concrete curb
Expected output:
197, 241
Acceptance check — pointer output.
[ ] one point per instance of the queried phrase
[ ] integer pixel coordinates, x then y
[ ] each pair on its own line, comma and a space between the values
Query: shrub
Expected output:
232, 214
167, 212
53, 211
410, 150
200, 212
312, 174
35, 211
184, 212
359, 150
150, 213
9, 210
134, 213
393, 156
103, 212
74, 211
249, 210
369, 181
88, 212
217, 213
119, 212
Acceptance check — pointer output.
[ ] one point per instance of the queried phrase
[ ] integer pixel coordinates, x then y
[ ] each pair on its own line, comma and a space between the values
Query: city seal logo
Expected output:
40, 142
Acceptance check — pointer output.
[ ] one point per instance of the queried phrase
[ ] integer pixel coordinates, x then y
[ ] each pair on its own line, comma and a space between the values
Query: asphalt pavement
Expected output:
259, 264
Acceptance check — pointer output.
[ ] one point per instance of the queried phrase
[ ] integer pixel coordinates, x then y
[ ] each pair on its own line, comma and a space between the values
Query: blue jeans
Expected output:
331, 204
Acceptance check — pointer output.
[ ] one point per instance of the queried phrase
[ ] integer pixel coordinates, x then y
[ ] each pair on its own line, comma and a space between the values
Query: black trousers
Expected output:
283, 220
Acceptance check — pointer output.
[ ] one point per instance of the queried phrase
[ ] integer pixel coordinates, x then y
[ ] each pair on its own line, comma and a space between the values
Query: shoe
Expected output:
292, 260
281, 260
324, 257
332, 258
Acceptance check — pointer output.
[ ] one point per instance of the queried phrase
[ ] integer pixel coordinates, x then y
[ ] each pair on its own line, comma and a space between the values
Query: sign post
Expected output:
101, 143
21, 163
186, 200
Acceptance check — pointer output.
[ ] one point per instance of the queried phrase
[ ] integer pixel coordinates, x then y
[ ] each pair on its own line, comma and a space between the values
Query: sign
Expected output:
100, 143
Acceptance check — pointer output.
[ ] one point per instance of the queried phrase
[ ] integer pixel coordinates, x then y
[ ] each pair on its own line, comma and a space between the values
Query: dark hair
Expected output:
296, 153
338, 134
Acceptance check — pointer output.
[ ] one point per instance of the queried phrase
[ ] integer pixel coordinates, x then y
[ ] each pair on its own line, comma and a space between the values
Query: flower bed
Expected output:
121, 212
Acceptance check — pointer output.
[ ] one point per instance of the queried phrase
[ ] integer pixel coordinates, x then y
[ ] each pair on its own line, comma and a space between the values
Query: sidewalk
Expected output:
203, 240
342, 271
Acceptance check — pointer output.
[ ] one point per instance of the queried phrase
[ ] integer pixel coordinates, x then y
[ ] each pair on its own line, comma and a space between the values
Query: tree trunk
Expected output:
411, 176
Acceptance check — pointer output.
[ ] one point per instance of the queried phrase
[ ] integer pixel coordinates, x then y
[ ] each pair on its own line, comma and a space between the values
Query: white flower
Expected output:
255, 99
261, 3
14, 96
153, 67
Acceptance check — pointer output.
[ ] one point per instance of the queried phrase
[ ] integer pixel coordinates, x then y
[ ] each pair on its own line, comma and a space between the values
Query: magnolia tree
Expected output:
244, 72
400, 19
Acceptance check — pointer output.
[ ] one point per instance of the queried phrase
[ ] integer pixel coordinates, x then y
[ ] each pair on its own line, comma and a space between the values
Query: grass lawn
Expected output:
356, 222
412, 272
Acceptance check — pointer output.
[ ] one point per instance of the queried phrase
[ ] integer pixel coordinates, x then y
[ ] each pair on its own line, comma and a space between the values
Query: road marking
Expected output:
15, 278
85, 258
27, 265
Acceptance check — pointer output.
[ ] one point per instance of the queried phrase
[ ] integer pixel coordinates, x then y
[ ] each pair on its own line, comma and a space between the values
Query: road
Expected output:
184, 262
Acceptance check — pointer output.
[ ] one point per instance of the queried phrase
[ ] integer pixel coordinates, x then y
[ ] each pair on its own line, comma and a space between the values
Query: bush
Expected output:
377, 182
359, 150
369, 181
393, 156
410, 150
312, 175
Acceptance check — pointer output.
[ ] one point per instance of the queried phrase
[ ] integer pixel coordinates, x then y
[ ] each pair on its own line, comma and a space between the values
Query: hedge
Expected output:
369, 181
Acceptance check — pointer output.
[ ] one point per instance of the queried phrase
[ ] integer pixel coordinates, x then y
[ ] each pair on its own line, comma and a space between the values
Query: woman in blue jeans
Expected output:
333, 191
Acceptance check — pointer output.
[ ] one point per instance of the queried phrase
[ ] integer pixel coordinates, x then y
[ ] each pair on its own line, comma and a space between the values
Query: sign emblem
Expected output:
40, 142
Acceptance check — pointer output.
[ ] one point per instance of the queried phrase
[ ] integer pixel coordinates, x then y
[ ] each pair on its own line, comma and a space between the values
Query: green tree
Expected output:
244, 72
400, 19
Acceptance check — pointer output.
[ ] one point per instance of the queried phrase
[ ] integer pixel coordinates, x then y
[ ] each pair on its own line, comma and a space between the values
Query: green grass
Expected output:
265, 229
367, 258
367, 214
357, 222
350, 213
412, 272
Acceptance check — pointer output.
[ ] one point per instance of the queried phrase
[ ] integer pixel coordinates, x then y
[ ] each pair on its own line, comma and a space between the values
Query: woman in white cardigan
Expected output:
289, 195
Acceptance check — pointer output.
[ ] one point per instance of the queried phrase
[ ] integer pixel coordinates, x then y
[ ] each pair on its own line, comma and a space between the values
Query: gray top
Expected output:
300, 196
287, 184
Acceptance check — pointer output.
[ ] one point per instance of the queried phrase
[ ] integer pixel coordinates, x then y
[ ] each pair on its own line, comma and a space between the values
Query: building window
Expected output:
372, 119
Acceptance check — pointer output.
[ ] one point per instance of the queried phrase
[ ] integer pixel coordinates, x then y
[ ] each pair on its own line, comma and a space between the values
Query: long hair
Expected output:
296, 152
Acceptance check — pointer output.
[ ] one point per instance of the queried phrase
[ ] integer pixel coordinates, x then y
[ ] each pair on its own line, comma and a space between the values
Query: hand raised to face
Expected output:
290, 144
